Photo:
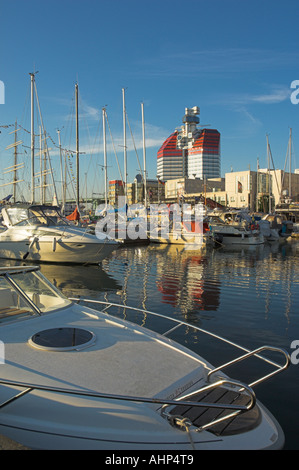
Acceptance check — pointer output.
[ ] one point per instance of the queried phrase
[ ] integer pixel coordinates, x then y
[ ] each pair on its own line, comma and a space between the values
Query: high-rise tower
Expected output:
170, 161
190, 151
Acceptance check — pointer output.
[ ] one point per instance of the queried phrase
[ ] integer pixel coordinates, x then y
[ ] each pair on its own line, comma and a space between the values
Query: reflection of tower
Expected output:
183, 281
190, 151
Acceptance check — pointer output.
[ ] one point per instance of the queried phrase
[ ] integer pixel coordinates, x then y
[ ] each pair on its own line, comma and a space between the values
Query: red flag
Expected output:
74, 216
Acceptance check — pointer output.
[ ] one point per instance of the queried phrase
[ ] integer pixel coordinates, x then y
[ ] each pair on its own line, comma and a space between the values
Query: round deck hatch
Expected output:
62, 339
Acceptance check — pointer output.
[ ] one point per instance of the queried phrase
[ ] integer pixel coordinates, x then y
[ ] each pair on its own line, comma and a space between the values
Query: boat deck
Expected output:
199, 416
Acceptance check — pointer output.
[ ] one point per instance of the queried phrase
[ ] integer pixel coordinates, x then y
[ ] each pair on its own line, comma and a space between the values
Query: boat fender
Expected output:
54, 244
34, 240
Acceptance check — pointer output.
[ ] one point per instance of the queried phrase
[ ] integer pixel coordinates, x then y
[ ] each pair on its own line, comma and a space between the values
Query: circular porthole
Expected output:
62, 339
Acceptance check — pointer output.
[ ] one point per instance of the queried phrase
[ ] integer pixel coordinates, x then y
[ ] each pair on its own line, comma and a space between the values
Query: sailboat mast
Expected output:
290, 164
125, 144
61, 169
15, 167
144, 155
77, 146
269, 190
41, 164
257, 185
105, 153
46, 147
32, 78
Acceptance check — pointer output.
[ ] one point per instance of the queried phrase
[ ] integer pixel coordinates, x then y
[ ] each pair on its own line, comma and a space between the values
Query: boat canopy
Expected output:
23, 214
25, 291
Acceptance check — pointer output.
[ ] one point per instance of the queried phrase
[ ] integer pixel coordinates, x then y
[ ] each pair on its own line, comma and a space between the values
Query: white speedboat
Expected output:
41, 233
224, 233
74, 377
279, 225
189, 234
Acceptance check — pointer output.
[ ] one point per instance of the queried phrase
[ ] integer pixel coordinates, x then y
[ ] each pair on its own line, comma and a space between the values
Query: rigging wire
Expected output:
141, 172
120, 173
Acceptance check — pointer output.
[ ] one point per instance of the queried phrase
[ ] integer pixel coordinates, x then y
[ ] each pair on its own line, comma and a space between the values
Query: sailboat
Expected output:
287, 208
38, 232
125, 217
279, 227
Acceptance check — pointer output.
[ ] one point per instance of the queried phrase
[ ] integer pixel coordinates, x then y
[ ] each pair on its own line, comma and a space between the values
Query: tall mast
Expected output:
125, 145
105, 153
290, 164
41, 164
15, 167
61, 169
32, 78
77, 146
46, 149
144, 155
257, 184
269, 190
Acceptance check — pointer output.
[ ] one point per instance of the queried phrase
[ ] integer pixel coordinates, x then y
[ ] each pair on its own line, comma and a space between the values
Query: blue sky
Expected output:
233, 59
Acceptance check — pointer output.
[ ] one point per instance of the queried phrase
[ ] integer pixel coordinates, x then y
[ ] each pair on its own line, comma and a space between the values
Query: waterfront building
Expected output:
204, 155
190, 189
284, 185
170, 159
116, 189
190, 152
152, 191
135, 191
260, 190
239, 189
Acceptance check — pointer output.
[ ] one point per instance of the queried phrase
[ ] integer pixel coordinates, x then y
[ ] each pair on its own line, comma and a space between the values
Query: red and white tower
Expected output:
190, 151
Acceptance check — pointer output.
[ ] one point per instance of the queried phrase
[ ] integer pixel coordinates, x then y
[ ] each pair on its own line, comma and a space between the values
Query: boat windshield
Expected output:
36, 216
26, 292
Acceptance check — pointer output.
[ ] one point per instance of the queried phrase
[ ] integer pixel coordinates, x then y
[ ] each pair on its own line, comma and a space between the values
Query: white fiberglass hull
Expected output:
234, 238
63, 253
197, 240
120, 427
64, 247
123, 360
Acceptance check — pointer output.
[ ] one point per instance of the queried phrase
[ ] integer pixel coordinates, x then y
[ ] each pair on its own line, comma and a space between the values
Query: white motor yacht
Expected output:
189, 233
224, 233
75, 377
41, 233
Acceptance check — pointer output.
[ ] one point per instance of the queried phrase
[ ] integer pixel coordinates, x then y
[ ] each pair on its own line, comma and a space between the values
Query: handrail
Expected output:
255, 353
86, 393
183, 323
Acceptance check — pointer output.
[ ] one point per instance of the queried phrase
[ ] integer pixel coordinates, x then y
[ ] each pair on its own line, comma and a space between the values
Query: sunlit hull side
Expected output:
62, 248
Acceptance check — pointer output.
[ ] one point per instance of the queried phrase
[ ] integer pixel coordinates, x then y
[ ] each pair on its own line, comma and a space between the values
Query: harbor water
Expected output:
247, 295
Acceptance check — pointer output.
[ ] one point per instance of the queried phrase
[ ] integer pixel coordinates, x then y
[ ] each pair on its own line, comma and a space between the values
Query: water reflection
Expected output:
247, 295
260, 280
75, 280
183, 281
